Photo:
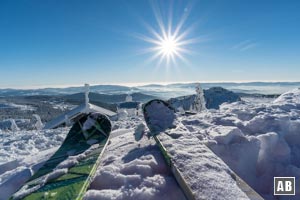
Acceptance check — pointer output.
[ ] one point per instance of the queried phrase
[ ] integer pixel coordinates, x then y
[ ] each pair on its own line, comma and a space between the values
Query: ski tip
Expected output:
95, 123
159, 115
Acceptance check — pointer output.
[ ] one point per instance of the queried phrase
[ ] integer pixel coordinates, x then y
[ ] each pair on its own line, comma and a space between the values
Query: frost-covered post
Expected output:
87, 91
199, 100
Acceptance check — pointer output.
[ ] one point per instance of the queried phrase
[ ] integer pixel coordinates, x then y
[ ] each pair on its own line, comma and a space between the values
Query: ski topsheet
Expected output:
67, 174
199, 172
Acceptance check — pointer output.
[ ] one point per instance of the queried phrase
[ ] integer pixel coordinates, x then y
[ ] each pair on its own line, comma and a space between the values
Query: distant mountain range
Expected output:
63, 91
107, 98
162, 91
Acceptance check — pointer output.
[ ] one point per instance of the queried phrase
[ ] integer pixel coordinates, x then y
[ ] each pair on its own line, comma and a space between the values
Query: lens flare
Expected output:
168, 46
169, 43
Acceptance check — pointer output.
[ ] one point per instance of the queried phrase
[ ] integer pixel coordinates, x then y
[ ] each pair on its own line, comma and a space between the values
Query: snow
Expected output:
15, 173
208, 176
257, 140
9, 124
204, 172
61, 105
213, 98
200, 103
89, 123
22, 153
55, 174
21, 124
139, 131
292, 96
16, 145
83, 108
162, 118
5, 105
22, 174
38, 124
226, 135
133, 169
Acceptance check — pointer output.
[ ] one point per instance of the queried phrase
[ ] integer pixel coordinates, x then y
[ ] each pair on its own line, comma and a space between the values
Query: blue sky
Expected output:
64, 42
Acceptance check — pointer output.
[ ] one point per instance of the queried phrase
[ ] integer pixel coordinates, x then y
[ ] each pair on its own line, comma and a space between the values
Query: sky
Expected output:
71, 42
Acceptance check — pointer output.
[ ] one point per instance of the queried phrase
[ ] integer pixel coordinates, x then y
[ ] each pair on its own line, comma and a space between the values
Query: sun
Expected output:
169, 46
169, 41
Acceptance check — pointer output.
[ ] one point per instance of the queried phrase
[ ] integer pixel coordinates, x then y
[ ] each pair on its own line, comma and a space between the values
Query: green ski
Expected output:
68, 173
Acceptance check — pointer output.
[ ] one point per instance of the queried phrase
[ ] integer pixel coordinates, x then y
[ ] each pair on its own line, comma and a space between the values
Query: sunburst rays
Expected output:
169, 42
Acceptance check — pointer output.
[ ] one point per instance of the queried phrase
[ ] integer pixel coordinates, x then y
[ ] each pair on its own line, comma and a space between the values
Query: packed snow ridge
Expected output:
256, 140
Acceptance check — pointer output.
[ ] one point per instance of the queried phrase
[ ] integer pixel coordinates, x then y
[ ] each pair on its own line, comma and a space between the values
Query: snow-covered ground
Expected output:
16, 145
133, 169
61, 105
22, 153
6, 105
258, 140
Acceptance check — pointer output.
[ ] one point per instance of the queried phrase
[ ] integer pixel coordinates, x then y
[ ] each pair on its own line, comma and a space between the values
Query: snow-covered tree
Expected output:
199, 103
181, 110
14, 126
38, 124
128, 98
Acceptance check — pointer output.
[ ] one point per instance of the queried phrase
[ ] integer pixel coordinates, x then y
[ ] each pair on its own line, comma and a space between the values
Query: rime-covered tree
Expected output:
199, 103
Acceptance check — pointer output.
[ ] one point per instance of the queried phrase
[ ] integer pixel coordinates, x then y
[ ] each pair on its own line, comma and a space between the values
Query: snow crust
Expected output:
22, 153
208, 176
9, 124
19, 144
290, 97
256, 140
6, 105
160, 119
21, 124
14, 174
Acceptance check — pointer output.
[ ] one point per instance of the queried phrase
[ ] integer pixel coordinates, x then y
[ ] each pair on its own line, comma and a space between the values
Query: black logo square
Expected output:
284, 185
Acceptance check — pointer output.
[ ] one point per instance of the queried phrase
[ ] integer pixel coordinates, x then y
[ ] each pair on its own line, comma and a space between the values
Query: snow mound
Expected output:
257, 141
292, 96
227, 134
215, 96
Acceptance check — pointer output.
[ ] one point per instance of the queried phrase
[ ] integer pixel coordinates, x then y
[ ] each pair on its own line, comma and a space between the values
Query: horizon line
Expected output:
135, 84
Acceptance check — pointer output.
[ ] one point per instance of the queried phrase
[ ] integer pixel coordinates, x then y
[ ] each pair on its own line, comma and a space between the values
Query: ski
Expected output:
69, 171
200, 173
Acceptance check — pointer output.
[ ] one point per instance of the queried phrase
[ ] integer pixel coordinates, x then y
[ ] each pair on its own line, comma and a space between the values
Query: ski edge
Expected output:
247, 189
177, 174
92, 173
